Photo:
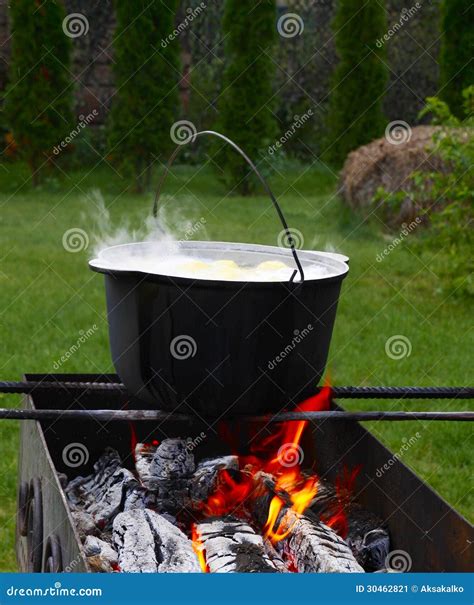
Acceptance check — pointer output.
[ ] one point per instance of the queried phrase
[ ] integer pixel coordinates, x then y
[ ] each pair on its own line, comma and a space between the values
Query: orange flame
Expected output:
198, 548
279, 454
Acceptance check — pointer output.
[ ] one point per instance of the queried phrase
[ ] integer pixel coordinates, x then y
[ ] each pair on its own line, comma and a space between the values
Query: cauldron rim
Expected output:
335, 260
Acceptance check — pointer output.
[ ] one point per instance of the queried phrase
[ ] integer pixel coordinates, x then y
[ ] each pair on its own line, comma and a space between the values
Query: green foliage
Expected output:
355, 106
446, 198
456, 64
245, 104
38, 100
147, 71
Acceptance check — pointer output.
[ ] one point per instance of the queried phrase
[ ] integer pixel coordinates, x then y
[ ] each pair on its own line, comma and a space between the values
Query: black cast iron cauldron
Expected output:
216, 348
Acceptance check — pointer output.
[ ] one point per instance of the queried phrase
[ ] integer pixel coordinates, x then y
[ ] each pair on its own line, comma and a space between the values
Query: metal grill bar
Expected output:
159, 415
343, 392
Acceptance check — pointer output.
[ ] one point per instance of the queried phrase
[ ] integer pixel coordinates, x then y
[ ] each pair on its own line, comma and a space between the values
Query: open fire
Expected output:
260, 510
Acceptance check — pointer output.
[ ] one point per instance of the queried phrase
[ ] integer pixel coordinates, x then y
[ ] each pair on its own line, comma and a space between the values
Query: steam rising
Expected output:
154, 249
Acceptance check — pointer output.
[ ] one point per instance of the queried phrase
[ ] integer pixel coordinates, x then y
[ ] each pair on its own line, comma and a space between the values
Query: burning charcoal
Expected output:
372, 547
99, 565
94, 546
85, 524
166, 470
367, 537
147, 542
274, 556
203, 481
233, 546
137, 496
312, 545
102, 493
172, 460
315, 547
143, 456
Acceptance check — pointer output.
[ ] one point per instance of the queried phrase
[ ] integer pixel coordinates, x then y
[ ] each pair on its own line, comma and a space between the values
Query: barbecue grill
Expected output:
420, 523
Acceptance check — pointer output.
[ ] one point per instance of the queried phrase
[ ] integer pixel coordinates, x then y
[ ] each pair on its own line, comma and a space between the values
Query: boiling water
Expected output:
224, 270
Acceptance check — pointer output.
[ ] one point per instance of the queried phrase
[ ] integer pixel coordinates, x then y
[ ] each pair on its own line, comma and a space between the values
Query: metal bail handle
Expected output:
260, 177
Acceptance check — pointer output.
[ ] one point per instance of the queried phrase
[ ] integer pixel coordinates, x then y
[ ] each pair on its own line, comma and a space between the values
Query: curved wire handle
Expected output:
260, 177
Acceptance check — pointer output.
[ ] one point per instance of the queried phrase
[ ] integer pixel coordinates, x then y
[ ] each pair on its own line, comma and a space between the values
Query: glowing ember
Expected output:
279, 455
198, 548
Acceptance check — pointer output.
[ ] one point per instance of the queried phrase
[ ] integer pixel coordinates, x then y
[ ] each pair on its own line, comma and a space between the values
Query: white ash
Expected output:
204, 480
233, 546
85, 524
94, 546
367, 536
99, 565
167, 470
315, 547
101, 493
148, 543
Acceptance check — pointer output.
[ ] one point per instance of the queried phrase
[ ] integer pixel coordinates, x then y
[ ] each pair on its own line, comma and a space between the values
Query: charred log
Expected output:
232, 546
315, 547
204, 479
367, 536
102, 493
147, 542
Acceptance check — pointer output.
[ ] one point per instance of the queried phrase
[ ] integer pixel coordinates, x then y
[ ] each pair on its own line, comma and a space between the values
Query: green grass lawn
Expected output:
48, 296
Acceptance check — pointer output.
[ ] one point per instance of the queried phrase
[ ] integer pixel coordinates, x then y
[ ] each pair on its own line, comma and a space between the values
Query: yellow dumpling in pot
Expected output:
272, 265
194, 266
225, 264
